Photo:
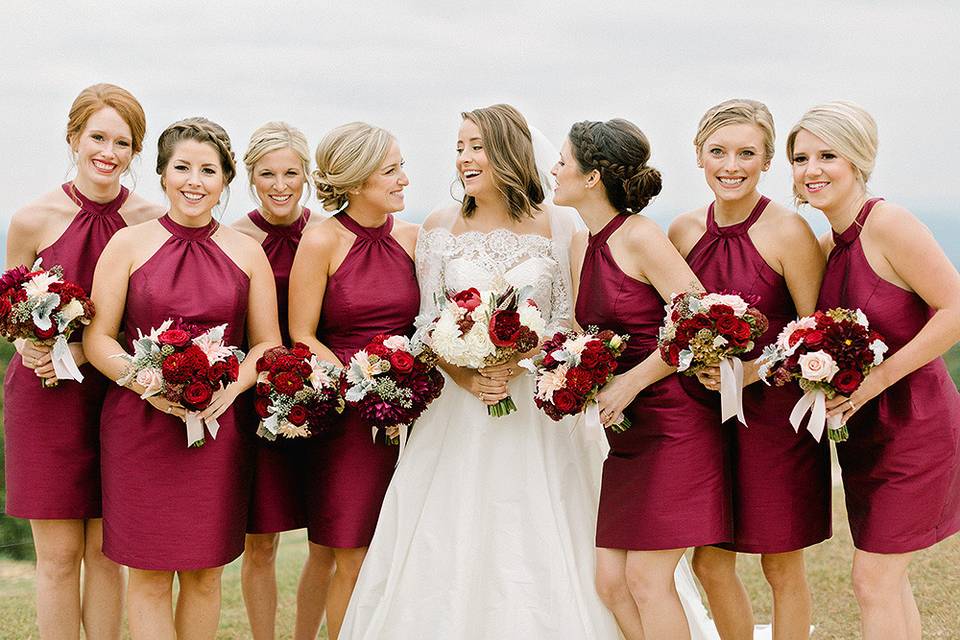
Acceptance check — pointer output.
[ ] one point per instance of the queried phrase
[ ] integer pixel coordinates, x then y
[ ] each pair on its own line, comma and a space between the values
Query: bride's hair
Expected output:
619, 151
509, 150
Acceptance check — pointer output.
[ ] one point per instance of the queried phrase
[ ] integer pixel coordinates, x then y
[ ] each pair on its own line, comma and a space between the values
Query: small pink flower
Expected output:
818, 366
151, 380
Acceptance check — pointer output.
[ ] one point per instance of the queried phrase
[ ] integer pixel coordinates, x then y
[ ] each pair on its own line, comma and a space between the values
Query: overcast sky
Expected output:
412, 67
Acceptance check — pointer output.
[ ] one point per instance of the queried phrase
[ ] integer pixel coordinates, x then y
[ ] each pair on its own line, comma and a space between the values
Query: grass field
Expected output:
935, 575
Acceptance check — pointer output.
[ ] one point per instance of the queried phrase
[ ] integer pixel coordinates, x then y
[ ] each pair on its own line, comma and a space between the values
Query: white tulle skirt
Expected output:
487, 531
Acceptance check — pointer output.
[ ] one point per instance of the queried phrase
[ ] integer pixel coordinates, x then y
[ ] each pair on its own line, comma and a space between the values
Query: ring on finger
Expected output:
853, 407
480, 396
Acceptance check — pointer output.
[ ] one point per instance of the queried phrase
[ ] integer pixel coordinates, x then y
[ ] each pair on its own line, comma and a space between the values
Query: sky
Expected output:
412, 67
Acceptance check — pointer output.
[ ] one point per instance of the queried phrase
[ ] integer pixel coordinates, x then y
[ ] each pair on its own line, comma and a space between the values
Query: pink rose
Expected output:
151, 380
818, 366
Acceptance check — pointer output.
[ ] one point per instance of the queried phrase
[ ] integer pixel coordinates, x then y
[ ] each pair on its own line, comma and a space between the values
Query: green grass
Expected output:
936, 582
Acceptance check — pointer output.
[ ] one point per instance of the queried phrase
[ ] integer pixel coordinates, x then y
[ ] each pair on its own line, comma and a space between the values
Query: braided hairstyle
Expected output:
346, 157
619, 151
198, 129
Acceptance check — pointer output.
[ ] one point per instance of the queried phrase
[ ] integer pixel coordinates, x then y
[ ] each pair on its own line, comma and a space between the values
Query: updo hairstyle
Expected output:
346, 157
201, 130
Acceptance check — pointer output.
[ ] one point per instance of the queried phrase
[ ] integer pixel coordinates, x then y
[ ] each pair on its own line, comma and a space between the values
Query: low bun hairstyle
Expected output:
346, 157
201, 130
619, 151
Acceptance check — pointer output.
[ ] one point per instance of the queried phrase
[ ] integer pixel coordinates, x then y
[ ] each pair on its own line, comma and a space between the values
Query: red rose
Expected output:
233, 367
217, 371
298, 415
260, 405
287, 383
263, 364
797, 336
174, 337
380, 338
671, 354
45, 334
468, 299
742, 330
847, 381
377, 349
301, 351
263, 389
602, 374
564, 400
589, 358
504, 328
719, 310
401, 361
814, 338
729, 325
197, 394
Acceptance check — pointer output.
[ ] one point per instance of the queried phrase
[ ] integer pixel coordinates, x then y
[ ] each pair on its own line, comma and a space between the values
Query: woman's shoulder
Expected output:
36, 214
442, 217
244, 225
137, 209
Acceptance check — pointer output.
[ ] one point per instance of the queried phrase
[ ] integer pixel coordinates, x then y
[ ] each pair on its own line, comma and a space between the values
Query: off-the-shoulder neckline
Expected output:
486, 233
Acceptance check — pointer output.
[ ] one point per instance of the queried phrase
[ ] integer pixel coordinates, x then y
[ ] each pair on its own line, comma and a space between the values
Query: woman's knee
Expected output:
153, 585
612, 587
713, 567
784, 570
205, 582
260, 550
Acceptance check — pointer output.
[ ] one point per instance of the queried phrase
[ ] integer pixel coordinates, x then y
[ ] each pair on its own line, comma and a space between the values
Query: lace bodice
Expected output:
474, 259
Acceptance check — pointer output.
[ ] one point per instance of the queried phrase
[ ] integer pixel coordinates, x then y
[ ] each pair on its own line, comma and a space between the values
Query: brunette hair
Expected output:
509, 150
98, 96
198, 129
619, 151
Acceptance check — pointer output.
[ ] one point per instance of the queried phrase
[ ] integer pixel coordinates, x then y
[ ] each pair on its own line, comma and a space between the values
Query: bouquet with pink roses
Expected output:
827, 353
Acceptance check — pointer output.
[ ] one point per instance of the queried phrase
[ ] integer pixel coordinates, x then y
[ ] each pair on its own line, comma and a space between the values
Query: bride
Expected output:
487, 529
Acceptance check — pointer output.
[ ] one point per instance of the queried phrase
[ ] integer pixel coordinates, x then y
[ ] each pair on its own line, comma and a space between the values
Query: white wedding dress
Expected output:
487, 528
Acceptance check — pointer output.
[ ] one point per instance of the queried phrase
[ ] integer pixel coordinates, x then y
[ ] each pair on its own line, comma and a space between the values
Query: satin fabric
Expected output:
52, 435
277, 500
168, 507
665, 481
781, 478
373, 291
901, 465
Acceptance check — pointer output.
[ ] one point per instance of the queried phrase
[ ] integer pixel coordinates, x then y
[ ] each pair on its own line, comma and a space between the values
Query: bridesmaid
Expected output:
352, 279
278, 163
901, 465
169, 509
781, 479
52, 434
626, 268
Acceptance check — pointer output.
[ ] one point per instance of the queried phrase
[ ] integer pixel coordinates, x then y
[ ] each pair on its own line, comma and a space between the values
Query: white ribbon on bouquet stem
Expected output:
195, 428
594, 427
731, 389
63, 363
814, 401
401, 438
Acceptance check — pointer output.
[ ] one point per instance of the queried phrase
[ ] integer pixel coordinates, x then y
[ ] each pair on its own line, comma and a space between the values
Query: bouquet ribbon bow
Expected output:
195, 426
814, 401
731, 390
63, 363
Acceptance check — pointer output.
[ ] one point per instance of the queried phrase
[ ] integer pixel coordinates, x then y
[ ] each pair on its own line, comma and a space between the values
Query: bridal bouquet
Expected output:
571, 369
485, 328
40, 306
186, 367
710, 329
827, 353
390, 382
297, 395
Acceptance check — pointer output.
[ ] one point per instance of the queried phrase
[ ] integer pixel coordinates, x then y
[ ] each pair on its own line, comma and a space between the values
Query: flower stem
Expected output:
622, 426
502, 408
838, 435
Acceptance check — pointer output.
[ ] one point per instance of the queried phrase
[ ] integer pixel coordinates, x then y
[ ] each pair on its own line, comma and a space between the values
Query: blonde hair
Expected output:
847, 128
98, 96
738, 111
509, 149
346, 157
274, 136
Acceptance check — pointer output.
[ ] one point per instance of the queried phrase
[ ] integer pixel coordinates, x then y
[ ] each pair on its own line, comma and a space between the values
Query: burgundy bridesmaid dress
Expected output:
167, 507
665, 482
52, 436
780, 478
374, 291
276, 499
901, 465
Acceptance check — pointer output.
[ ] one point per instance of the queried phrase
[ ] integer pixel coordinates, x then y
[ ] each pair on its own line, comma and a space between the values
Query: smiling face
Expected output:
382, 192
278, 180
193, 181
821, 176
569, 182
732, 161
474, 169
104, 148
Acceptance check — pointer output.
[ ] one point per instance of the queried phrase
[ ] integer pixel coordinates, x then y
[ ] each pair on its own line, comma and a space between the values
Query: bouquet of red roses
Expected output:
571, 369
828, 353
711, 329
297, 395
390, 382
186, 367
40, 306
477, 329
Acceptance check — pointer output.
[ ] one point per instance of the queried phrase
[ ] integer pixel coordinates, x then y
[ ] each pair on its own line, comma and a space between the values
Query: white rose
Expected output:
735, 302
818, 366
395, 343
531, 318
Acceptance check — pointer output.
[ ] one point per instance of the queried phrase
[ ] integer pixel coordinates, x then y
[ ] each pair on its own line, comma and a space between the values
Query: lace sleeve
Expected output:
563, 225
429, 263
